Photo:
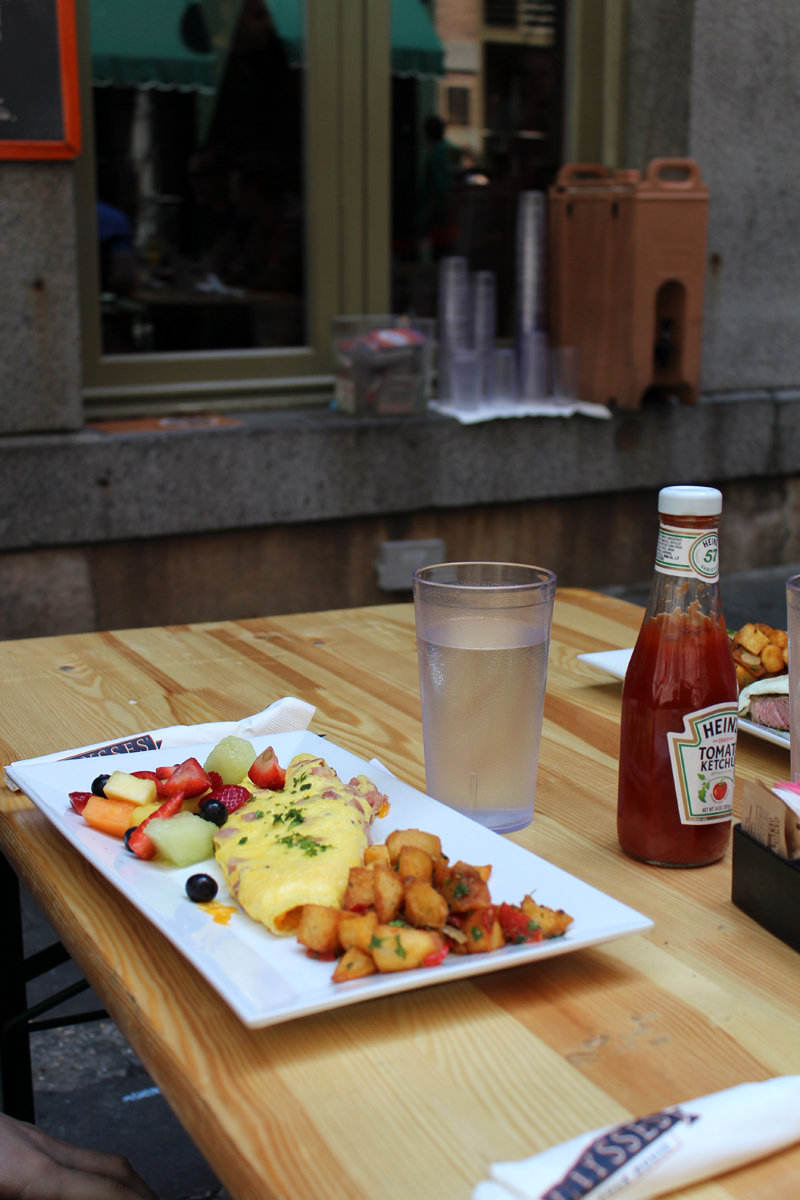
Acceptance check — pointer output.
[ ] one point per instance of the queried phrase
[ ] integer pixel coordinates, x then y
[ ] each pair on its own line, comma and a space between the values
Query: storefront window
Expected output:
200, 183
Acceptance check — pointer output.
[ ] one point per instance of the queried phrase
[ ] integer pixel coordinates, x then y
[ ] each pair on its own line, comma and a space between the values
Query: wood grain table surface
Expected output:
414, 1094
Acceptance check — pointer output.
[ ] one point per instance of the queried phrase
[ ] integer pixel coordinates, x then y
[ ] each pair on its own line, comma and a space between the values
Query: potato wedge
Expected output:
360, 891
376, 854
355, 964
356, 929
552, 922
413, 837
484, 931
424, 906
395, 948
319, 928
463, 888
389, 892
415, 864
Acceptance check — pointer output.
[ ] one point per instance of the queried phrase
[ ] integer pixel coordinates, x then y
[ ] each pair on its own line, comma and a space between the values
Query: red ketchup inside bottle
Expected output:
682, 663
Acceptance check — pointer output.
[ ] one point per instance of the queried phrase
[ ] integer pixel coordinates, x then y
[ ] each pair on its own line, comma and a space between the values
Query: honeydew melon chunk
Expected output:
183, 839
121, 786
231, 758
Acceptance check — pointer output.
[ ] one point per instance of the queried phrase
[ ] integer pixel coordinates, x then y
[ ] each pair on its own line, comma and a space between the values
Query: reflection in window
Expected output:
198, 110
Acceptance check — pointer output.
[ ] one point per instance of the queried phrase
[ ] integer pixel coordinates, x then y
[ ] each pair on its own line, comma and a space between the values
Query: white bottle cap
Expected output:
686, 500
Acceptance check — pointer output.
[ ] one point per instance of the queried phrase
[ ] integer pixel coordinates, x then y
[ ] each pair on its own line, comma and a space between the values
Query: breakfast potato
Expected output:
552, 922
413, 837
389, 892
355, 964
772, 658
424, 905
752, 639
440, 866
464, 889
376, 854
360, 892
356, 930
395, 948
484, 931
319, 928
743, 676
415, 864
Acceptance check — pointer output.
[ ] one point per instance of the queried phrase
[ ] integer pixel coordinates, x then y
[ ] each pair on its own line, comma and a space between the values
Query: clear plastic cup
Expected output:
455, 321
793, 614
466, 385
505, 376
533, 350
483, 638
566, 372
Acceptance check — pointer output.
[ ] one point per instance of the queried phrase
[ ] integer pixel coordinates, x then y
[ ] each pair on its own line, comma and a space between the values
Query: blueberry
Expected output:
214, 811
99, 785
201, 888
127, 837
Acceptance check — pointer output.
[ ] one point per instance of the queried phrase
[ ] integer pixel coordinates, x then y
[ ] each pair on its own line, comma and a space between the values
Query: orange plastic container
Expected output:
627, 276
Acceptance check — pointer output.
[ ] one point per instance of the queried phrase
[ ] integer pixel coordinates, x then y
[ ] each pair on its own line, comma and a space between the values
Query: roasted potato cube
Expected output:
355, 964
360, 891
786, 655
424, 905
463, 888
779, 637
772, 659
389, 892
743, 676
440, 866
484, 931
356, 930
552, 922
428, 842
415, 864
396, 948
319, 928
376, 854
485, 872
751, 638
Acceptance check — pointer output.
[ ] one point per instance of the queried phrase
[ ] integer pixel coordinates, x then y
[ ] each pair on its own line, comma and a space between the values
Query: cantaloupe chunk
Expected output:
108, 816
121, 786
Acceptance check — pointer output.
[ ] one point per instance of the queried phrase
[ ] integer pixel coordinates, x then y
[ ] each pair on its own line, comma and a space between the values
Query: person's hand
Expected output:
35, 1166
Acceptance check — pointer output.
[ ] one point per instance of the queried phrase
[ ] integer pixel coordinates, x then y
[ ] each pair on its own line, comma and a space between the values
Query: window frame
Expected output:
347, 149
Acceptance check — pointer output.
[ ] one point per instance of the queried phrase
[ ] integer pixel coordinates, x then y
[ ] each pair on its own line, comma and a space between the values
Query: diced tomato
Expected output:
516, 926
321, 955
139, 842
216, 780
266, 771
436, 958
233, 796
189, 779
79, 800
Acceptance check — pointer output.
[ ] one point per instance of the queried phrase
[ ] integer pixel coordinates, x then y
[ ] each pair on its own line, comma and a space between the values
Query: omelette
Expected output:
285, 849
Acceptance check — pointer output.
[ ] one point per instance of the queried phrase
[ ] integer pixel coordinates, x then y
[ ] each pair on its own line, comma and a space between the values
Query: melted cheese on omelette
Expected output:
285, 849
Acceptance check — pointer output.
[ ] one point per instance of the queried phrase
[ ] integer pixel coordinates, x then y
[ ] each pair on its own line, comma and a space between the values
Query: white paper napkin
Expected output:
661, 1153
284, 716
499, 409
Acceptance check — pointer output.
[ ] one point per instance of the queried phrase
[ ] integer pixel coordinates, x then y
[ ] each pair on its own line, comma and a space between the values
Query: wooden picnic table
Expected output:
414, 1094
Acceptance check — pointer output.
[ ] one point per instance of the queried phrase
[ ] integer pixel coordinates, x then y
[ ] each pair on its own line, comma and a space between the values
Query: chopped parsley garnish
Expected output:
305, 787
259, 813
532, 926
460, 890
400, 924
477, 933
242, 841
291, 817
376, 943
400, 950
306, 844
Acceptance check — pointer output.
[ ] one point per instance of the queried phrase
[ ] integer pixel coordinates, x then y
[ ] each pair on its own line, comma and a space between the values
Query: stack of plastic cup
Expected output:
532, 348
484, 327
454, 318
465, 378
505, 376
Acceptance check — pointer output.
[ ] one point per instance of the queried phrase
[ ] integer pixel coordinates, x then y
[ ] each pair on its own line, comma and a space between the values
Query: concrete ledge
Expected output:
287, 467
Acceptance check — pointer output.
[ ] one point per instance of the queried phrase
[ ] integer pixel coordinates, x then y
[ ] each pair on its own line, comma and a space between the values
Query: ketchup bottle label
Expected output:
691, 553
703, 759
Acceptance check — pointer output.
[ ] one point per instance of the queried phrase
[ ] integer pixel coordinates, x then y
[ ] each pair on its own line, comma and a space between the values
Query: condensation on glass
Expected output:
467, 141
201, 214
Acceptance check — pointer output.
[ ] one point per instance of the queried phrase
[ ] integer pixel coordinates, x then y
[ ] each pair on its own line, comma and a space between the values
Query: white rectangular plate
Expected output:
267, 979
615, 662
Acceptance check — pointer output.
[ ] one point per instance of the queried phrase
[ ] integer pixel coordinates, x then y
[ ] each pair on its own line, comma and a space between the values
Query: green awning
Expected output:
139, 43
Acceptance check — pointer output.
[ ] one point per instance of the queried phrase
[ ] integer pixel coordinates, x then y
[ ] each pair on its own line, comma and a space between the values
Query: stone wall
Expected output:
40, 368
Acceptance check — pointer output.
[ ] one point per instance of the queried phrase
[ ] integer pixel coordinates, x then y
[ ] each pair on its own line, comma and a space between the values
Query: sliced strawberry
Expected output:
79, 800
216, 780
233, 796
147, 775
189, 778
166, 772
139, 842
266, 771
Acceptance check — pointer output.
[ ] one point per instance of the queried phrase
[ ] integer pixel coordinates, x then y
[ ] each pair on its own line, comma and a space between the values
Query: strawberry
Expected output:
139, 842
166, 772
189, 778
233, 796
266, 771
216, 780
79, 800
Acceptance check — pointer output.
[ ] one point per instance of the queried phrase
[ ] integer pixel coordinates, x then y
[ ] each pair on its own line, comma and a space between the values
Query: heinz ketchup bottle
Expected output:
680, 700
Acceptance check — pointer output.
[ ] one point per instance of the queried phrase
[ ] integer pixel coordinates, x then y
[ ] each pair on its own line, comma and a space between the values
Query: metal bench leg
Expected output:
15, 1051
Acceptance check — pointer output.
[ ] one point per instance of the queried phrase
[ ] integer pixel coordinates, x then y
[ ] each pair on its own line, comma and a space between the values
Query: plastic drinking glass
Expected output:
483, 638
505, 375
534, 365
566, 372
793, 613
466, 388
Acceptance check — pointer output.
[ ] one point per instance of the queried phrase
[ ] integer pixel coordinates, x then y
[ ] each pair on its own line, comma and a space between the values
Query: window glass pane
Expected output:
466, 143
198, 113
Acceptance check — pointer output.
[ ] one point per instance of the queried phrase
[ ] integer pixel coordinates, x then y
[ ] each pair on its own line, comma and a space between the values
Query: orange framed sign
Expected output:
40, 114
